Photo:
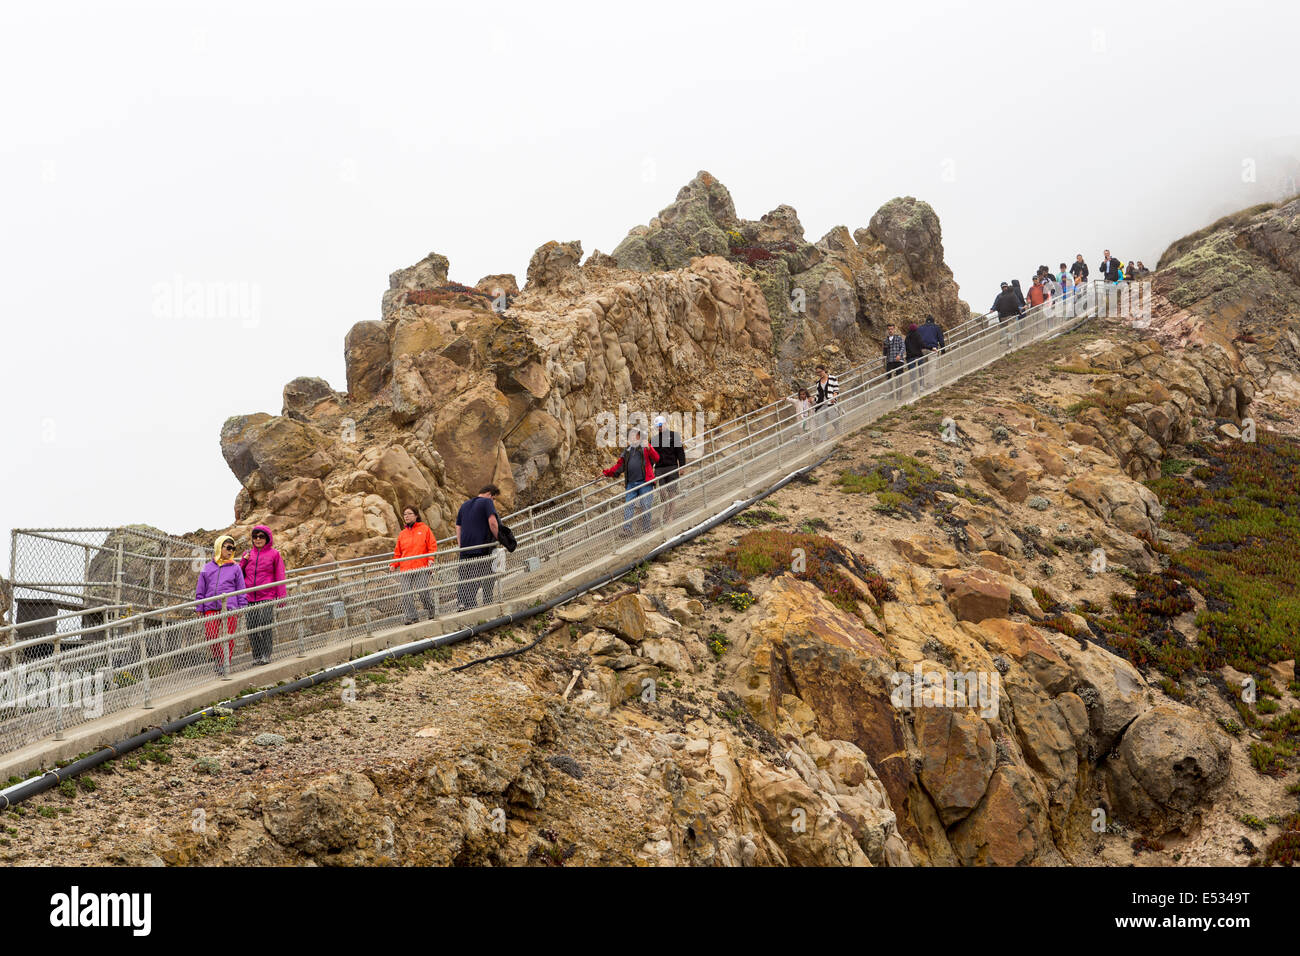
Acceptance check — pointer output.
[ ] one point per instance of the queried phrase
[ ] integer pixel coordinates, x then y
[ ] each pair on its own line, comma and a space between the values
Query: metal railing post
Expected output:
365, 601
144, 667
347, 615
167, 572
222, 634
117, 586
57, 689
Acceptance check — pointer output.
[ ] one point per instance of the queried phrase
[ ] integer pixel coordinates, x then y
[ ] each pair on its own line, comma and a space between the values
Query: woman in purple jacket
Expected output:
263, 569
221, 576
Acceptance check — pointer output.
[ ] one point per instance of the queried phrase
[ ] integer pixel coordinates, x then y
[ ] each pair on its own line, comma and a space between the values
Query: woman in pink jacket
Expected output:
263, 569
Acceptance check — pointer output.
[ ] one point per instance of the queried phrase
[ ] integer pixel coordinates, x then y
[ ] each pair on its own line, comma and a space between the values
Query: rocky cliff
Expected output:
954, 677
701, 313
1236, 284
835, 295
1030, 637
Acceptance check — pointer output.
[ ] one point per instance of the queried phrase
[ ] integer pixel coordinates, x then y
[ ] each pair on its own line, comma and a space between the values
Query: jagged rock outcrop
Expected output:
830, 297
488, 383
987, 738
449, 392
1150, 399
1236, 285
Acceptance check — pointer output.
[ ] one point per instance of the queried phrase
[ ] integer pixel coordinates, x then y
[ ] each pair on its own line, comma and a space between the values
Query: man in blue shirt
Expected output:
476, 536
931, 341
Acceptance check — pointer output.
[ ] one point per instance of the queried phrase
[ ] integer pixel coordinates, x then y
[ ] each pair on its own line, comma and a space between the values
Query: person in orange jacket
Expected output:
412, 556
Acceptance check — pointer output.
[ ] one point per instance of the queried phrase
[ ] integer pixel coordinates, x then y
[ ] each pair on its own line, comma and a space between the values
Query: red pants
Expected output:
213, 627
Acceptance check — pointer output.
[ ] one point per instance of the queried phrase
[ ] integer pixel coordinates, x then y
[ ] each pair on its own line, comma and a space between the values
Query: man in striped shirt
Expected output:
828, 394
895, 351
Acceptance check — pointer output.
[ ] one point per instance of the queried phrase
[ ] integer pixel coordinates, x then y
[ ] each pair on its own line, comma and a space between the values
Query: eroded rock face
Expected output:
474, 395
520, 388
834, 294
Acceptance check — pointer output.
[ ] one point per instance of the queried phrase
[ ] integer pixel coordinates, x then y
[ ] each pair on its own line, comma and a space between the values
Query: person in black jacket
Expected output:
931, 336
1020, 296
1007, 305
1109, 267
1080, 268
672, 458
914, 349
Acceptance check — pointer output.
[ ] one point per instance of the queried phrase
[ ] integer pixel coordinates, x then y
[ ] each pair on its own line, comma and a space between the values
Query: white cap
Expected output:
659, 421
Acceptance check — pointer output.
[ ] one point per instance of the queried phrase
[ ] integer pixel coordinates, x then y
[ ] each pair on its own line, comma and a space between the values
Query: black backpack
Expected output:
506, 537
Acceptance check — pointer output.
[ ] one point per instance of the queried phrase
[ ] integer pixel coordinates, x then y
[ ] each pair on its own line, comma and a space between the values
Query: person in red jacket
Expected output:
1037, 294
414, 552
263, 568
637, 466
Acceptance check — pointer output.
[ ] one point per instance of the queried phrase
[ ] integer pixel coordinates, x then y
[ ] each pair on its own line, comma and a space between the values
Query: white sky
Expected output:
304, 151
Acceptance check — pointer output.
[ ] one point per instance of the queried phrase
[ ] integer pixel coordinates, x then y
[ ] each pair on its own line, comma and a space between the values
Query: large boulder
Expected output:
467, 431
1111, 688
957, 758
624, 617
976, 594
910, 228
1169, 762
367, 358
1009, 827
429, 273
552, 263
304, 394
1128, 504
263, 451
331, 815
1009, 476
808, 832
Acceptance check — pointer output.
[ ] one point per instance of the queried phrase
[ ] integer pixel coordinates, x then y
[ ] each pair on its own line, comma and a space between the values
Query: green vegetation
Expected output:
739, 600
1138, 627
757, 517
1245, 556
223, 721
812, 558
1244, 559
901, 483
1285, 850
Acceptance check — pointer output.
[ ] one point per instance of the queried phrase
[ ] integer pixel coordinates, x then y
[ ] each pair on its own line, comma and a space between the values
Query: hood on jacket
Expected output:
216, 548
270, 538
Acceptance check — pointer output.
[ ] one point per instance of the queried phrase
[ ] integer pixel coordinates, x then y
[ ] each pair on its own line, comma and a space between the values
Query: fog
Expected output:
294, 155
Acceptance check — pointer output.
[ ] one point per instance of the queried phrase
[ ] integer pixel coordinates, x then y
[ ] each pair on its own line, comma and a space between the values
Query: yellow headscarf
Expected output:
217, 547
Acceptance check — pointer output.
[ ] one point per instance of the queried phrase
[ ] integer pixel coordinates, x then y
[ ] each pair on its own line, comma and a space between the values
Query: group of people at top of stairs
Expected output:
1047, 285
260, 574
